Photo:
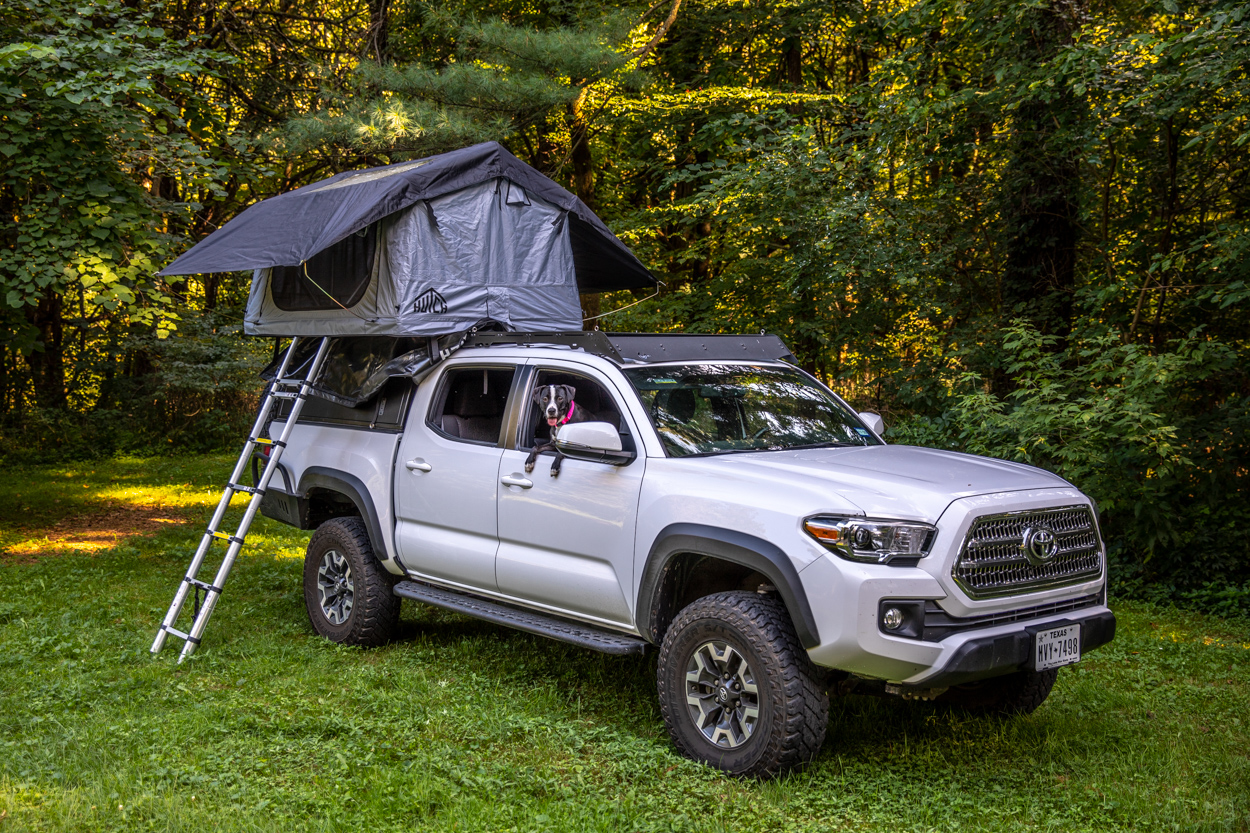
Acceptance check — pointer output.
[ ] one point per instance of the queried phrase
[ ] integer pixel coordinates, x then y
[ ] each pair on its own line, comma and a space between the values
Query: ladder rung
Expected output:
203, 585
251, 490
285, 394
225, 536
294, 383
264, 441
185, 637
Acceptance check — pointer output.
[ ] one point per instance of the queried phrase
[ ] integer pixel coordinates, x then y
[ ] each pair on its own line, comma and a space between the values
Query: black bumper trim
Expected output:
938, 624
993, 656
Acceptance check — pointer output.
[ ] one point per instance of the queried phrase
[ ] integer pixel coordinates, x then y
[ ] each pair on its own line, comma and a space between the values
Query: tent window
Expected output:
336, 276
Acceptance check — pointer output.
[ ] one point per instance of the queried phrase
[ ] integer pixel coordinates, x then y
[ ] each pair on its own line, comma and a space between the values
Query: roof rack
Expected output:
649, 348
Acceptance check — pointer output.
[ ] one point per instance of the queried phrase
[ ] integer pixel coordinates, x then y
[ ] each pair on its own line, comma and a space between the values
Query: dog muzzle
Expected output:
553, 421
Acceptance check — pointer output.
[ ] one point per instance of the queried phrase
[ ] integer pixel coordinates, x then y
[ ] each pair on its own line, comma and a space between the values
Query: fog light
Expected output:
892, 619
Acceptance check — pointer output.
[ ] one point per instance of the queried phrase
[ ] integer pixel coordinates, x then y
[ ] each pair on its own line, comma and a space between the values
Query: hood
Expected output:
889, 481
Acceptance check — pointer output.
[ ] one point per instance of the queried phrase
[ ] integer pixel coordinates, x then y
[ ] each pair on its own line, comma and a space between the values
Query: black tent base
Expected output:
356, 367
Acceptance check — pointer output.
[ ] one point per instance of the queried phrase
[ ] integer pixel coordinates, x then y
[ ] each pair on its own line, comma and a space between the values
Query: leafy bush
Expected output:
199, 392
1161, 441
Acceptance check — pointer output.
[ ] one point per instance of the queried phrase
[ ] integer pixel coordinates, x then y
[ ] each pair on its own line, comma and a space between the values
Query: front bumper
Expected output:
846, 599
975, 656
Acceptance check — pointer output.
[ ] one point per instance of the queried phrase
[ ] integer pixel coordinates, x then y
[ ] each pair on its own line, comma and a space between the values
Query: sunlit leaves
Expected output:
87, 92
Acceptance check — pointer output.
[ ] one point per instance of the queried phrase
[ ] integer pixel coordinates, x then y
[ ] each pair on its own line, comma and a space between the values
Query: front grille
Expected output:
994, 562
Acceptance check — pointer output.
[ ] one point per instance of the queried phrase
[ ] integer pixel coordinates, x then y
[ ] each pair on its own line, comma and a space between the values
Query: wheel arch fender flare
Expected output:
728, 545
354, 489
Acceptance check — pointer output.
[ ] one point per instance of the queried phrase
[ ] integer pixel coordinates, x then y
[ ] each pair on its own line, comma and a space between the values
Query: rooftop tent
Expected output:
420, 248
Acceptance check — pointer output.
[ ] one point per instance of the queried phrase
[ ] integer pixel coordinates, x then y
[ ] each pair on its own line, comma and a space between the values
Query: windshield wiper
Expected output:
718, 451
830, 444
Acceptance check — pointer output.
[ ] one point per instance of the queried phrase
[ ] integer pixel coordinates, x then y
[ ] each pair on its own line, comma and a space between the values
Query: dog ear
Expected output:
536, 395
569, 392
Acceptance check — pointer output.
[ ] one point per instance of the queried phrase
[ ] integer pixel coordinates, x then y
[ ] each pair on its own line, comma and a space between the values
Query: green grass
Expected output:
461, 725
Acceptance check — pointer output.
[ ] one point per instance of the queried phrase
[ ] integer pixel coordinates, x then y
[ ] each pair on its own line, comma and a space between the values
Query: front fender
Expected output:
728, 545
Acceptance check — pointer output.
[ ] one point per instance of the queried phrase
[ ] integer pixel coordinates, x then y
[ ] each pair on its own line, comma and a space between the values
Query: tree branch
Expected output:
258, 106
659, 33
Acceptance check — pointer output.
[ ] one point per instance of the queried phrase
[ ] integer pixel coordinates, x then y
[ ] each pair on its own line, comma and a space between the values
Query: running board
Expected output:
560, 630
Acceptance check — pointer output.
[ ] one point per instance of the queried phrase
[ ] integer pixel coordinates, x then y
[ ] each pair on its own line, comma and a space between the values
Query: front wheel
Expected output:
349, 596
737, 689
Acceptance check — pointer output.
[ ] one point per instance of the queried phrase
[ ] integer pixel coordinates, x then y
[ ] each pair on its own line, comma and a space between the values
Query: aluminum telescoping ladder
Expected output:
282, 388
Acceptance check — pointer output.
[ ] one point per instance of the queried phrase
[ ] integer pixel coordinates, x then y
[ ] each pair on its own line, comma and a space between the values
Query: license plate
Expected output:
1056, 647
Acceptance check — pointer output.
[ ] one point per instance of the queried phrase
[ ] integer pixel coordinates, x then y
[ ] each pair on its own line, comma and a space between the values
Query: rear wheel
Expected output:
737, 689
349, 596
1017, 693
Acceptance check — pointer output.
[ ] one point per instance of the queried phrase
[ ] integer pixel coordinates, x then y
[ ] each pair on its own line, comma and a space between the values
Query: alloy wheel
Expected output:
721, 694
334, 581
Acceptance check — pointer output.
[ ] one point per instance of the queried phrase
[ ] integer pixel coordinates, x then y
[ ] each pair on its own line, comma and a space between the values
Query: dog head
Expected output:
553, 401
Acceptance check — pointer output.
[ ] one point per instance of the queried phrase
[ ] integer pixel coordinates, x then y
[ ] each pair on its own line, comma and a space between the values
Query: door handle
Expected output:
418, 465
516, 480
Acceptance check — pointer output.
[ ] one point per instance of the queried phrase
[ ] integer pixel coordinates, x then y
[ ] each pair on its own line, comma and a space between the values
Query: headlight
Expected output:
875, 541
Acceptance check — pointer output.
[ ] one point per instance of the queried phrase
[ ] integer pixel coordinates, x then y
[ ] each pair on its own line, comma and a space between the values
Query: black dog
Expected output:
558, 408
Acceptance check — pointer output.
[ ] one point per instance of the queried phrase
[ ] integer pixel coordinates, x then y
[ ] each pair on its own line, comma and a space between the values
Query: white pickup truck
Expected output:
717, 503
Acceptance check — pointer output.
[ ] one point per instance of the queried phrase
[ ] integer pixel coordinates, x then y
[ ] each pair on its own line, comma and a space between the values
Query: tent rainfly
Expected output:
421, 248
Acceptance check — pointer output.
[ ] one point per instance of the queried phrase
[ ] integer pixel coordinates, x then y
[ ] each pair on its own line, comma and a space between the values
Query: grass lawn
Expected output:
461, 725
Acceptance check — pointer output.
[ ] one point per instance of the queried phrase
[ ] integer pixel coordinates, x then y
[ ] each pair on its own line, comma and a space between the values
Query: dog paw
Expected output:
529, 468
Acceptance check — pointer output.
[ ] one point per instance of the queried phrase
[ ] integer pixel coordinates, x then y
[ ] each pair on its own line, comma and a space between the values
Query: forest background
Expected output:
1017, 229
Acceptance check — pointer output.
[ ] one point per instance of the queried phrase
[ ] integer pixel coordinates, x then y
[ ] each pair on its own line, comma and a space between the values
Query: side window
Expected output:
591, 401
471, 404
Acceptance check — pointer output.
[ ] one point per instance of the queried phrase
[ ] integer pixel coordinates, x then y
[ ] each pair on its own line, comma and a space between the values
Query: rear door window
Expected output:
471, 404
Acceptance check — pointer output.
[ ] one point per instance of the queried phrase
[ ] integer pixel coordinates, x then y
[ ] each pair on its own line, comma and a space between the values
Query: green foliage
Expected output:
198, 392
464, 725
456, 79
991, 163
1156, 438
87, 107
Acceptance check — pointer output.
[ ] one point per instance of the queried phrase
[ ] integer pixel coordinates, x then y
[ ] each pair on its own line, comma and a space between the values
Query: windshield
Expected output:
723, 408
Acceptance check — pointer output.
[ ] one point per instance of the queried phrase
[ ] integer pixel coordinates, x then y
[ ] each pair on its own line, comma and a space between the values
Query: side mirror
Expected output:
874, 422
595, 441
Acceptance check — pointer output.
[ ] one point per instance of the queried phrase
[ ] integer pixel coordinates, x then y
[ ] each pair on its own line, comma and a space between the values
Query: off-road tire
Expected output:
1017, 693
793, 705
374, 612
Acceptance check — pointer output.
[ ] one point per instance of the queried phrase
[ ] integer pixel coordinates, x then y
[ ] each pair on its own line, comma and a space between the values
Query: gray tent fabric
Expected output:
289, 229
487, 251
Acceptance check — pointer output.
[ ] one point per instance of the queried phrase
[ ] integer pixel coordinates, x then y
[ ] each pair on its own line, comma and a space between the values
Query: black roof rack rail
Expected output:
649, 348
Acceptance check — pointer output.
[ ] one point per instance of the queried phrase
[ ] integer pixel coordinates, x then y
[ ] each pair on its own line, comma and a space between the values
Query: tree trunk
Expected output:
211, 282
792, 62
47, 365
583, 181
1042, 183
378, 46
579, 151
1171, 146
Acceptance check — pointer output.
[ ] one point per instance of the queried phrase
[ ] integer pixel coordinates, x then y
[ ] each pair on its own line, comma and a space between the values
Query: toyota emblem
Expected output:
1039, 545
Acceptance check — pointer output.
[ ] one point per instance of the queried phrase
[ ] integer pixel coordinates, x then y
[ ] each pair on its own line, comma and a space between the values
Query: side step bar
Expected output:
524, 620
